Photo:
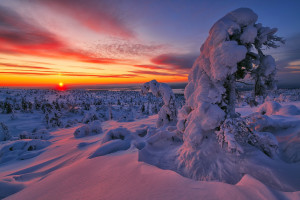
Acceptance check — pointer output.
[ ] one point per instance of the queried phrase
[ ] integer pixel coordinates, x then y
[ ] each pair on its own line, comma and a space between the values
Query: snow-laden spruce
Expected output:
214, 135
167, 115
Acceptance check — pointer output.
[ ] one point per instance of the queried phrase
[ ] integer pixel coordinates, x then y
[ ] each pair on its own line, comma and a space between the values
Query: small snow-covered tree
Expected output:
4, 132
210, 126
168, 113
264, 73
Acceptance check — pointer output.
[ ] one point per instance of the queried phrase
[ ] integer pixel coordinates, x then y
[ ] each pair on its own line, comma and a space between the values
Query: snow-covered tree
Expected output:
4, 132
168, 113
211, 128
262, 67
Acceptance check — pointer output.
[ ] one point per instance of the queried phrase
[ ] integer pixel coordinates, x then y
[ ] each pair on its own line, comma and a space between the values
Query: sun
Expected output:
61, 84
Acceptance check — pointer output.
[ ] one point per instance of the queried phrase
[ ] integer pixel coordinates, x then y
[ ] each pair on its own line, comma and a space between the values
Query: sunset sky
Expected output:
93, 42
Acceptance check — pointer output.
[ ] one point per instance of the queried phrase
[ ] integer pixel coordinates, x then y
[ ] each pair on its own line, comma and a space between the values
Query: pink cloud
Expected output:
18, 36
96, 15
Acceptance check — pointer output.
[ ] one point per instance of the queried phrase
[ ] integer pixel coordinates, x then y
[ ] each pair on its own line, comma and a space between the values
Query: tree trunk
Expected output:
231, 96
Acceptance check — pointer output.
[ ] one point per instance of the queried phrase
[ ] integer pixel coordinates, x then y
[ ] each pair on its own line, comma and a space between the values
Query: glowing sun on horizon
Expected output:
61, 84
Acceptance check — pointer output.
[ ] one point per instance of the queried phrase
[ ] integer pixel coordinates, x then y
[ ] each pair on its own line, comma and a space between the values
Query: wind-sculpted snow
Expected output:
21, 149
111, 147
114, 140
88, 167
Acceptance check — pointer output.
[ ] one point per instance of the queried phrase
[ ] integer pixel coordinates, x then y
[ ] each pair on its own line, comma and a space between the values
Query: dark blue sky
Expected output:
186, 24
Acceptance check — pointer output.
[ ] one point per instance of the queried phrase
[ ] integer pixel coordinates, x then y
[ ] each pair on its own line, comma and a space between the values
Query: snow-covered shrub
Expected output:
21, 149
82, 131
89, 117
95, 127
208, 121
70, 123
235, 133
168, 113
4, 132
92, 128
118, 133
42, 134
142, 132
53, 119
269, 108
264, 123
126, 116
161, 136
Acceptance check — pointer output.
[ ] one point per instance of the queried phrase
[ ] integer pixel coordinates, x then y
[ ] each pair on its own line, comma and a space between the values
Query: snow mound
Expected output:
289, 110
291, 149
118, 133
92, 128
111, 147
272, 108
264, 123
21, 149
114, 140
208, 163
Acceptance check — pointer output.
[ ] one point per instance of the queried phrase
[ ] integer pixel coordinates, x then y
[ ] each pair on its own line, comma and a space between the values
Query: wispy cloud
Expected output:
25, 72
114, 47
142, 72
18, 36
22, 66
150, 67
16, 33
175, 61
97, 15
288, 55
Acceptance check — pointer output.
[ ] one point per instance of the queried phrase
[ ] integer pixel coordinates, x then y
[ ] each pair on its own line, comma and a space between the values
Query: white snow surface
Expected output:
64, 171
135, 160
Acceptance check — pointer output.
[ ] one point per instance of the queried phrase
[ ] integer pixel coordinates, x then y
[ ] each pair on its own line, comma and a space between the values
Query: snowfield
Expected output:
132, 159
